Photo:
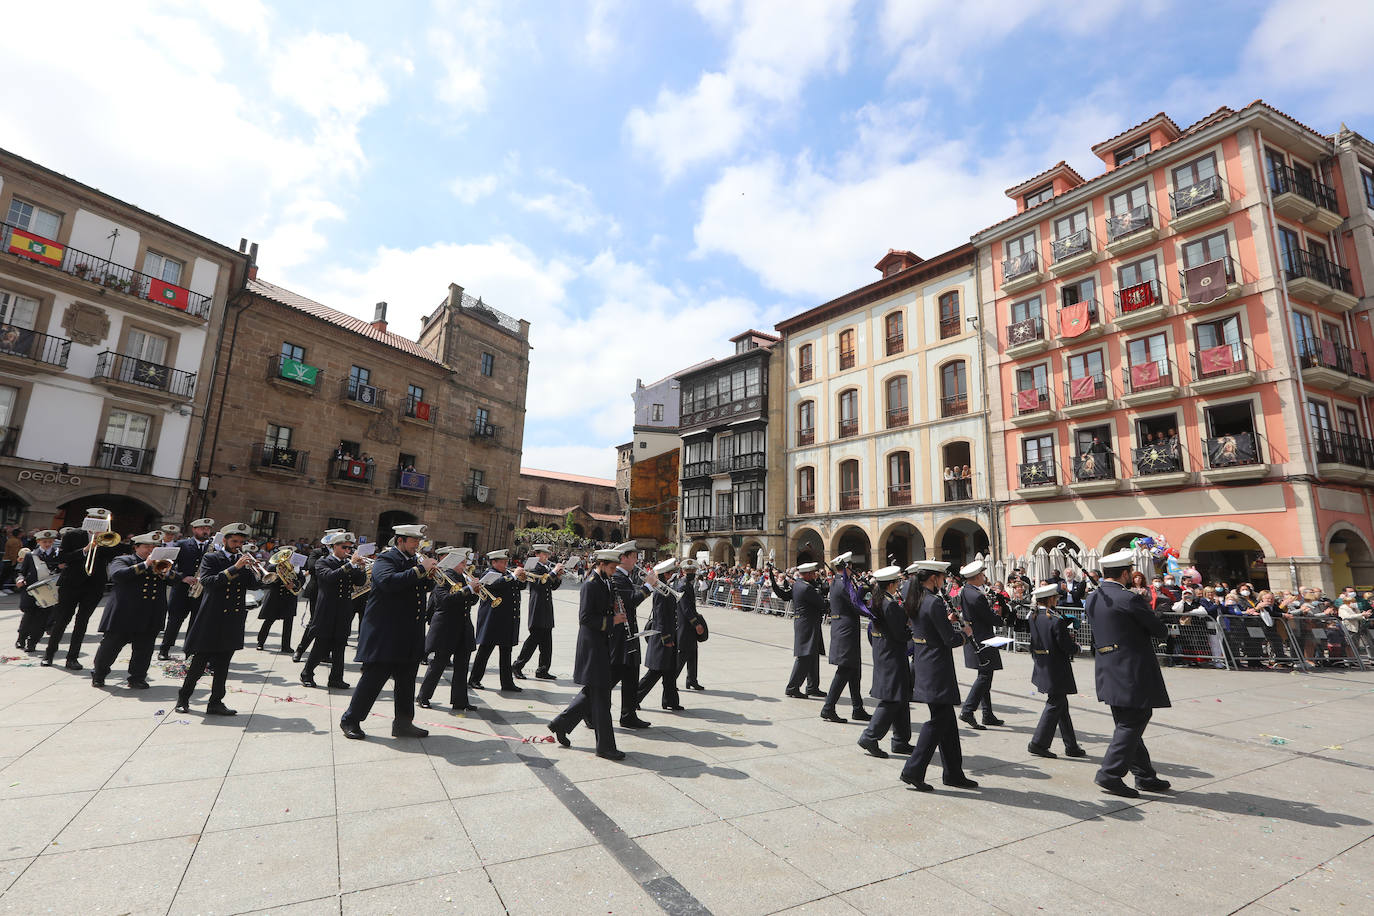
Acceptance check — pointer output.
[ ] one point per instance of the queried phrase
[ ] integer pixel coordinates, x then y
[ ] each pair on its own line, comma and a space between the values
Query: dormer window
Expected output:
1131, 151
1039, 196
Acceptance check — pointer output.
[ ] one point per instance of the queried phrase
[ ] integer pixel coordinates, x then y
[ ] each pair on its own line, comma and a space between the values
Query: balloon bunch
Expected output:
1158, 547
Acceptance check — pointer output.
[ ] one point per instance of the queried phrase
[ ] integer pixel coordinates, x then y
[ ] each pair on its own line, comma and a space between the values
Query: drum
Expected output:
44, 592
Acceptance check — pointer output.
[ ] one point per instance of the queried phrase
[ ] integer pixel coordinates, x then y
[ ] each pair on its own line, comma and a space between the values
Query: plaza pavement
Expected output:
746, 803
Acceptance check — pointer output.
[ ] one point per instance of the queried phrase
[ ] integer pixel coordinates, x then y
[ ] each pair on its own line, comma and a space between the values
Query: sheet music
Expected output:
163, 553
365, 550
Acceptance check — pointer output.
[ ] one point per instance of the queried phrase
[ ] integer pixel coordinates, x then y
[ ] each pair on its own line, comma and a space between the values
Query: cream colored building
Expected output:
884, 392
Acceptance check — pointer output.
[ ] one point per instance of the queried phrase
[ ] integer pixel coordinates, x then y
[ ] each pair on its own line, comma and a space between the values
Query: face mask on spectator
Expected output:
1245, 592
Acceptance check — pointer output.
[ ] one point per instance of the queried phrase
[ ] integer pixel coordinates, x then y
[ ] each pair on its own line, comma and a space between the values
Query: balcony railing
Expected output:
805, 372
849, 428
364, 395
746, 462
846, 359
1037, 473
806, 436
696, 469
1070, 245
1283, 179
954, 405
748, 521
896, 343
1140, 296
899, 494
478, 493
1204, 192
280, 457
1148, 376
1160, 457
95, 269
295, 371
9, 440
1018, 266
806, 505
1343, 448
1218, 361
1300, 263
1092, 387
958, 489
1025, 331
722, 523
417, 409
949, 327
1090, 466
39, 347
153, 376
1319, 353
410, 481
898, 416
1232, 450
1030, 400
849, 499
1132, 221
126, 458
351, 470
696, 525
483, 431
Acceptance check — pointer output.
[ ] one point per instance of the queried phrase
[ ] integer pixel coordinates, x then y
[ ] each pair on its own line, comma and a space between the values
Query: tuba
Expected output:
280, 561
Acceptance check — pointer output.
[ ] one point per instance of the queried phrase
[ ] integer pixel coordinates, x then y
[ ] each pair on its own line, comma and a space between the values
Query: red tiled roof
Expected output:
569, 478
323, 312
752, 333
546, 510
1061, 164
604, 517
1110, 141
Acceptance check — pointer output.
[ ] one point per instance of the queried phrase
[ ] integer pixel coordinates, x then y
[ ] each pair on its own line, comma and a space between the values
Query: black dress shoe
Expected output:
906, 748
972, 723
633, 722
518, 674
136, 684
1114, 786
351, 730
466, 707
295, 657
407, 730
511, 688
993, 720
960, 782
545, 676
873, 749
423, 703
284, 650
695, 686
675, 708
562, 736
813, 692
832, 716
219, 709
97, 681
259, 647
474, 685
611, 755
308, 680
860, 715
164, 657
337, 685
1152, 784
1039, 751
45, 663
919, 785
183, 707
1075, 752
19, 643
795, 694
74, 665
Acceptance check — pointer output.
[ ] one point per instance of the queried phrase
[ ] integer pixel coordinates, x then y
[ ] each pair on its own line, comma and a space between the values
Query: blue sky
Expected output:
639, 180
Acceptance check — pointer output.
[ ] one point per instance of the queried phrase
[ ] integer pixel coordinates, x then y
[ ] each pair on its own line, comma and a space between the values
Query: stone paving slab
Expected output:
745, 802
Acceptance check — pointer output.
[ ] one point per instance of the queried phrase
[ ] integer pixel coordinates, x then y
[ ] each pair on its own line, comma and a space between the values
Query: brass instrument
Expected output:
161, 567
662, 587
366, 587
253, 565
281, 562
482, 591
100, 539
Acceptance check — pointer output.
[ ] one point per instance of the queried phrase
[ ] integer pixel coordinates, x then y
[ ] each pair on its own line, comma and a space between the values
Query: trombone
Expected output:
99, 539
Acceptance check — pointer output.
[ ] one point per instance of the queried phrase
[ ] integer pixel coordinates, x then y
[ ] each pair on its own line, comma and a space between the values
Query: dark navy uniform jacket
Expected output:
393, 628
595, 611
809, 606
1124, 630
187, 563
138, 601
450, 623
932, 667
218, 624
73, 577
335, 579
687, 618
624, 644
978, 612
540, 616
663, 618
891, 671
845, 627
1052, 650
500, 625
29, 570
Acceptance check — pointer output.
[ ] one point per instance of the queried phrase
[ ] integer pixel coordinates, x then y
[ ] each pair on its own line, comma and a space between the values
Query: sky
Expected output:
641, 181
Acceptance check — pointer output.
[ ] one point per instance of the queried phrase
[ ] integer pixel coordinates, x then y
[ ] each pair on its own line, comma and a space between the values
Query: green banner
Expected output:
296, 371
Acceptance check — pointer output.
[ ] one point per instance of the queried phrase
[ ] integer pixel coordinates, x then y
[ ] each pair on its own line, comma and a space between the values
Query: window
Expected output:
264, 524
1151, 349
476, 477
279, 437
1347, 419
338, 523
350, 448
1160, 428
1033, 378
292, 351
358, 377
162, 267
127, 429
1025, 309
488, 364
898, 413
1319, 415
1304, 328
481, 421
849, 412
806, 422
1205, 250
696, 503
725, 504
1195, 172
470, 540
1290, 250
953, 389
747, 496
656, 413
34, 218
847, 349
949, 315
1035, 449
1084, 290
849, 484
694, 453
806, 490
1219, 348
1087, 377
1367, 182
1019, 247
1083, 438
9, 398
1131, 151
892, 325
1333, 332
1066, 226
18, 311
149, 348
414, 393
1039, 196
746, 447
405, 460
805, 366
899, 479
1129, 211
543, 495
1137, 272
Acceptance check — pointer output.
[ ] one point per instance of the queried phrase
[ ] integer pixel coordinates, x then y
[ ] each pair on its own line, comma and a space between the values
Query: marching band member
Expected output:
660, 649
691, 626
845, 653
450, 635
37, 565
978, 612
391, 640
891, 671
624, 639
498, 620
187, 564
1124, 630
170, 535
134, 612
77, 593
541, 613
216, 630
278, 604
336, 576
1052, 650
310, 591
935, 630
598, 614
808, 643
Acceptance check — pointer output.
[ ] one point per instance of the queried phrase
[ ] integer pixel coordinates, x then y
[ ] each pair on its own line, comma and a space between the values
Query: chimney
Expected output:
379, 317
253, 261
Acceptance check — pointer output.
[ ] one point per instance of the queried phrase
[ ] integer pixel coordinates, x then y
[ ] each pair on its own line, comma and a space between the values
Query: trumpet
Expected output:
257, 568
161, 567
100, 539
482, 590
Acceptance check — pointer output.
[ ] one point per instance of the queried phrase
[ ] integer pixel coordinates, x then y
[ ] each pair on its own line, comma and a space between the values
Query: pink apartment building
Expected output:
1179, 346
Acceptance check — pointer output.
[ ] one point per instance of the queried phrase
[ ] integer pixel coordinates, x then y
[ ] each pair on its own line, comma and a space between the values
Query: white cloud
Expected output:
567, 204
471, 190
588, 460
685, 129
328, 76
1317, 50
469, 43
601, 38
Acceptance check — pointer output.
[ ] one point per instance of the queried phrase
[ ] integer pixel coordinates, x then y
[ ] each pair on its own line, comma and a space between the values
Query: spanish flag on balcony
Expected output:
28, 245
168, 294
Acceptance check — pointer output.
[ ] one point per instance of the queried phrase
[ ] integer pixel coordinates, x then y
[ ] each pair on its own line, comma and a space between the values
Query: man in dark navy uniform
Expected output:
977, 612
891, 672
540, 620
134, 612
38, 565
809, 610
598, 614
846, 653
1124, 631
216, 630
311, 591
451, 636
498, 621
186, 566
660, 648
629, 592
78, 594
1052, 650
336, 576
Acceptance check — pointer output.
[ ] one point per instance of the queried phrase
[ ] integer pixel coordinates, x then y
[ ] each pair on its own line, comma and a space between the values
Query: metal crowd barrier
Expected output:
1323, 642
1251, 644
757, 598
1192, 639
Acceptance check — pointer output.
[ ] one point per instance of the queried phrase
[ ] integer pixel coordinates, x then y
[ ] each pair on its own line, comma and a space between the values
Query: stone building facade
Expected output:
546, 498
331, 421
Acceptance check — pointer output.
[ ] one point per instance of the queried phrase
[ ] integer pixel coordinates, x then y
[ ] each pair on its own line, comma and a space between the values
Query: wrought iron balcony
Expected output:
696, 525
1150, 375
1092, 466
1018, 266
898, 416
483, 432
899, 494
949, 327
23, 343
749, 521
1304, 264
849, 499
1082, 390
1132, 221
117, 367
1283, 179
1071, 245
846, 358
896, 343
805, 372
1206, 283
1137, 297
1037, 473
1164, 457
1318, 353
806, 436
417, 409
356, 392
1032, 400
1223, 360
954, 405
806, 505
1027, 330
113, 457
1194, 196
849, 428
1233, 450
280, 458
1343, 448
351, 470
102, 272
297, 372
478, 493
410, 481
